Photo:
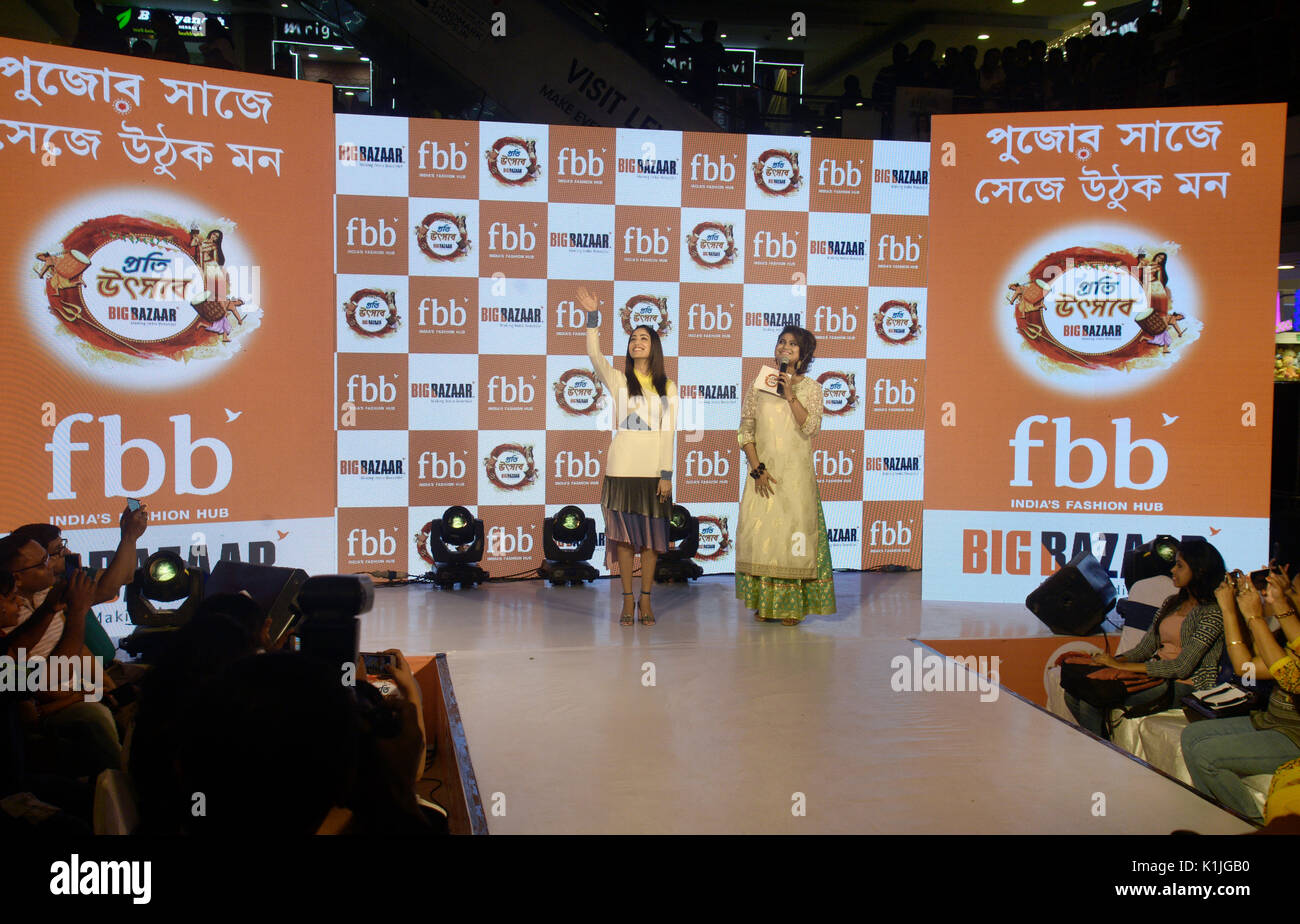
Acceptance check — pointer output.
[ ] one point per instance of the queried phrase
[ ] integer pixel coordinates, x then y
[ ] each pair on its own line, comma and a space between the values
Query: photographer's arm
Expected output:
123, 565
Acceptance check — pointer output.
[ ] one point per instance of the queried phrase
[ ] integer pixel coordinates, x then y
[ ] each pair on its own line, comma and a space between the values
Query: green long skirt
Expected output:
792, 598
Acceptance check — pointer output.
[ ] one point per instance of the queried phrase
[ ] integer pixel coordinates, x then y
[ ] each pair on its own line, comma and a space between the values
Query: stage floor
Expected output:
743, 717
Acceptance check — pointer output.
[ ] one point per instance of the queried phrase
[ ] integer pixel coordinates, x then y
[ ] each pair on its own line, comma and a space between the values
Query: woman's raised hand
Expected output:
1226, 593
588, 301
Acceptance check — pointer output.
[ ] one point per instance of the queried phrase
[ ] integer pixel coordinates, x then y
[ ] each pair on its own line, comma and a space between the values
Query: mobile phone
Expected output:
71, 564
1259, 578
132, 504
378, 665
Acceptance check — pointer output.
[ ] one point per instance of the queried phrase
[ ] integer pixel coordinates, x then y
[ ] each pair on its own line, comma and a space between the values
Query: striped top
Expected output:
1202, 640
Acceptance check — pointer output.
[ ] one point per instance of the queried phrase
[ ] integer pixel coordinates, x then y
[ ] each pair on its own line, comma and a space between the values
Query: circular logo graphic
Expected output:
442, 236
1102, 306
839, 392
513, 161
137, 290
579, 392
372, 312
650, 310
714, 540
711, 244
510, 467
898, 321
777, 172
137, 287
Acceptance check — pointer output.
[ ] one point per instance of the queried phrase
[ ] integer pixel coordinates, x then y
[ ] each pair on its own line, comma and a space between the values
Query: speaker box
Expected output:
274, 589
1076, 599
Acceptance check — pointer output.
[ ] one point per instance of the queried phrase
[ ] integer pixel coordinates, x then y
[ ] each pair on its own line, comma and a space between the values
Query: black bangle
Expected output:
758, 472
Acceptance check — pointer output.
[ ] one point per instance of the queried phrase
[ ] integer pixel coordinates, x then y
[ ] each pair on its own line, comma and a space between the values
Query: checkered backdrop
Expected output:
461, 371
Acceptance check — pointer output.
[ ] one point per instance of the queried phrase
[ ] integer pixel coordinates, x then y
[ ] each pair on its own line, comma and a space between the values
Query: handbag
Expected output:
1108, 688
1196, 708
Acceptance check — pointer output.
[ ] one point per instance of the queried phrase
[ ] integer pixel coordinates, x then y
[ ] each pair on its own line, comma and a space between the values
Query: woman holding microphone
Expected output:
636, 496
783, 560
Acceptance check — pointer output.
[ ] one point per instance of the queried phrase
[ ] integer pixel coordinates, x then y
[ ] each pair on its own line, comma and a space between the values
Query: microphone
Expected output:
780, 386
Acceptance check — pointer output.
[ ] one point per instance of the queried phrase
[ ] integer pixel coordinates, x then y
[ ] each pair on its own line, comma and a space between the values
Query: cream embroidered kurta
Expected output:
778, 534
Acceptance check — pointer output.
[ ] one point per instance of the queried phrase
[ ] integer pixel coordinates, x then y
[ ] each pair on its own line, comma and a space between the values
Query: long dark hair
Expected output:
1207, 568
657, 373
807, 345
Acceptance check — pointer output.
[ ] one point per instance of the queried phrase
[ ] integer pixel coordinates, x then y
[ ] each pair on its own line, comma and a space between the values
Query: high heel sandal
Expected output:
647, 619
627, 618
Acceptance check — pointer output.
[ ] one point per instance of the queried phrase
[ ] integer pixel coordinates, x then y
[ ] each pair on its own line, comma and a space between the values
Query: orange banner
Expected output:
1101, 330
167, 247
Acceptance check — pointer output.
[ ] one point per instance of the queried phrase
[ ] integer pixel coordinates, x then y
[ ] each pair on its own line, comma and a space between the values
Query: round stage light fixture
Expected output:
568, 542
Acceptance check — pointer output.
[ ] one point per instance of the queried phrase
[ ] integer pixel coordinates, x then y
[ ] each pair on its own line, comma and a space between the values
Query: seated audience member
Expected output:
1183, 645
1220, 752
107, 583
277, 745
74, 735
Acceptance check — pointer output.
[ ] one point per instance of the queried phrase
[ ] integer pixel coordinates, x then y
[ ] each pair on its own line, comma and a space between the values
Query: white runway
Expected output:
746, 722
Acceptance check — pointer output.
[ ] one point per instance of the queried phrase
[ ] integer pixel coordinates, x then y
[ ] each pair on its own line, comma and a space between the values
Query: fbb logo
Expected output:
362, 232
568, 316
572, 162
703, 318
361, 544
432, 156
834, 319
503, 542
700, 464
362, 390
891, 248
706, 169
502, 236
828, 465
433, 313
570, 465
637, 240
1065, 448
773, 247
831, 173
883, 534
60, 447
431, 465
511, 392
885, 391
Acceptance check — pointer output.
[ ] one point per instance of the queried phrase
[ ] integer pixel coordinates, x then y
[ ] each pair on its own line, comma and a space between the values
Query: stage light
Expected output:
456, 547
1076, 599
982, 36
676, 565
1149, 560
568, 564
165, 578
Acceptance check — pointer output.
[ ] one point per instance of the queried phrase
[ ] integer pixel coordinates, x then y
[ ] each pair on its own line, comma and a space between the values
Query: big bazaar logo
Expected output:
996, 551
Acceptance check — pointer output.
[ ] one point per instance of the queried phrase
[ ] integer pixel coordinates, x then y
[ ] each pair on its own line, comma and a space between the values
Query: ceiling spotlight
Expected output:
983, 36
1089, 2
312, 54
1283, 266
